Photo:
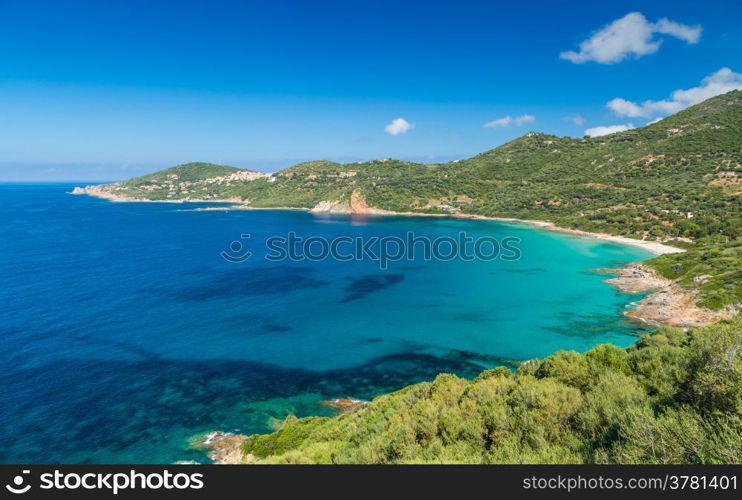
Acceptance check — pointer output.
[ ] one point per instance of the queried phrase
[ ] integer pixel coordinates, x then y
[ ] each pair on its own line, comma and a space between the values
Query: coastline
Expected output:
666, 302
653, 247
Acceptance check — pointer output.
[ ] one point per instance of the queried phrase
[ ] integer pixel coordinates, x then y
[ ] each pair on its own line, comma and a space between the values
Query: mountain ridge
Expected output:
655, 182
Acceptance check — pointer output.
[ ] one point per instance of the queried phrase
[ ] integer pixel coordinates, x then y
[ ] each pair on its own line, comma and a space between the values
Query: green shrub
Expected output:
674, 397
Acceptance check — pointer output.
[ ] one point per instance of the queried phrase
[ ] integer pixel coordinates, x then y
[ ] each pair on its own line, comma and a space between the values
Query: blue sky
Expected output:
109, 90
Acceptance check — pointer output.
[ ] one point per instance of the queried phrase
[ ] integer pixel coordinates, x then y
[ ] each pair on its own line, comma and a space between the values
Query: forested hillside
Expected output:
679, 177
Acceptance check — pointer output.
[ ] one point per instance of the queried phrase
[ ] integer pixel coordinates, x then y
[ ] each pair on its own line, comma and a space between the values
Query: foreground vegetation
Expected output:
674, 397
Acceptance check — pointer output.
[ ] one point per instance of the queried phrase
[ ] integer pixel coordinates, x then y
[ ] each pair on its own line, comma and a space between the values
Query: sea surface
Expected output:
124, 332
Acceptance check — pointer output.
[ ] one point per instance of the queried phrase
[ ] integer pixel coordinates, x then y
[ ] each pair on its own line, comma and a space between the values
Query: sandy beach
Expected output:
654, 247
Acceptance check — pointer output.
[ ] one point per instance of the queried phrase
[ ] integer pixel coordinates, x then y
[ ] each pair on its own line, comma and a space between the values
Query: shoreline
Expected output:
665, 304
654, 247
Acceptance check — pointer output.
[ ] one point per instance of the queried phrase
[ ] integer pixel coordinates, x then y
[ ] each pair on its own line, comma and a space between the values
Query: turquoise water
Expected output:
125, 332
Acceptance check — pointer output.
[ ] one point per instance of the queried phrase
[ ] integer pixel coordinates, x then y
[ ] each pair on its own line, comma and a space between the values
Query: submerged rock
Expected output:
344, 405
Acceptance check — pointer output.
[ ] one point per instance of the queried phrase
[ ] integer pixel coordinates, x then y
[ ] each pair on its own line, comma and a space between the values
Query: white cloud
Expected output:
398, 126
632, 35
622, 107
578, 120
506, 121
690, 34
723, 81
608, 129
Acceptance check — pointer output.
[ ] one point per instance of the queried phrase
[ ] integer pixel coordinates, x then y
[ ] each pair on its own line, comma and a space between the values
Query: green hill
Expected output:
677, 178
194, 171
664, 180
183, 182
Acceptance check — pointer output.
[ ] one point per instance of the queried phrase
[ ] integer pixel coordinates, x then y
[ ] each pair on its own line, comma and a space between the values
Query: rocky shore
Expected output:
668, 304
223, 447
355, 206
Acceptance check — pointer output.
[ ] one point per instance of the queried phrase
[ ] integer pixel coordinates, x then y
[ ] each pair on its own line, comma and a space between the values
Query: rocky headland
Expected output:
668, 303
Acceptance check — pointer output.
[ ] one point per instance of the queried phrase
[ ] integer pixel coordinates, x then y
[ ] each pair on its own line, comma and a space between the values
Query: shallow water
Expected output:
125, 332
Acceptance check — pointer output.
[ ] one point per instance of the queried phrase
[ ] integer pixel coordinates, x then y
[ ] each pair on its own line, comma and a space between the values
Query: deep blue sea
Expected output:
125, 332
